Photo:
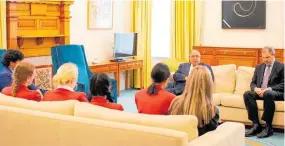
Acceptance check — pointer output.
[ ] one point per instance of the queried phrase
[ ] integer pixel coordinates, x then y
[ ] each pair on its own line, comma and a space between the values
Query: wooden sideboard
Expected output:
239, 56
117, 67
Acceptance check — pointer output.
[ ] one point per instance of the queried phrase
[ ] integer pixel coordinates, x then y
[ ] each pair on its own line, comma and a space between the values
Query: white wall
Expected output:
213, 35
98, 43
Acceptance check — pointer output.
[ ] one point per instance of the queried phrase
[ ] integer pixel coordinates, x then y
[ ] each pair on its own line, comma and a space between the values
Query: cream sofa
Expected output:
71, 123
229, 87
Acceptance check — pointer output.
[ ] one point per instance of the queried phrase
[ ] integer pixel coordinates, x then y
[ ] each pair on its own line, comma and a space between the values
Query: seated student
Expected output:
196, 100
9, 60
155, 100
23, 76
100, 90
65, 81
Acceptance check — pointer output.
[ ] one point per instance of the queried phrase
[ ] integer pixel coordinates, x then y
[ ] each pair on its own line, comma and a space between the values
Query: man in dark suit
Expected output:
9, 61
268, 85
177, 86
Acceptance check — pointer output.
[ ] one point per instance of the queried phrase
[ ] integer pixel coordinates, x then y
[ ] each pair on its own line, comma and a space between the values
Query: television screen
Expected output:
125, 45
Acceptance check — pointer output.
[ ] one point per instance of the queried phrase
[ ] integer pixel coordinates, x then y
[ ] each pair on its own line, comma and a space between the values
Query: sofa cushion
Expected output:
60, 107
243, 78
186, 123
227, 134
217, 97
35, 128
224, 78
240, 115
237, 102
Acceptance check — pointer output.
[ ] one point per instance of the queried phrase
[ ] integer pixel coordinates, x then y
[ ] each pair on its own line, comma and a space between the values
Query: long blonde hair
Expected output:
22, 71
66, 74
196, 98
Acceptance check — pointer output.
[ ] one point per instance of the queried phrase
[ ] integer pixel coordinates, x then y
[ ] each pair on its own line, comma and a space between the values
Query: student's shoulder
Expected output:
31, 95
79, 94
7, 90
48, 93
168, 94
117, 106
141, 92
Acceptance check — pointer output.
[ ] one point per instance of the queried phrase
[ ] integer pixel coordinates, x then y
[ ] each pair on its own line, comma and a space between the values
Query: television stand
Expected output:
118, 60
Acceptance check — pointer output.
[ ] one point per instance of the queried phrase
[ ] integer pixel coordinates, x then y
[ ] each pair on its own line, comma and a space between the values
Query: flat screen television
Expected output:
125, 45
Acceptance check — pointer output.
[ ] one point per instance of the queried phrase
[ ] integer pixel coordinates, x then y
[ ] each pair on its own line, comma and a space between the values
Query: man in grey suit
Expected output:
268, 85
177, 86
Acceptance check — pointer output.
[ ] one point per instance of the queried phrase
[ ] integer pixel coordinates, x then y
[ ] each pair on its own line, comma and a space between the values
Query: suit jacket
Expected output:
179, 78
183, 71
102, 101
276, 78
6, 78
61, 94
23, 92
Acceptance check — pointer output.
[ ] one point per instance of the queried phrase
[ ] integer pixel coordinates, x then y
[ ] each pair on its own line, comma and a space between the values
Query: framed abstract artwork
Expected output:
100, 14
244, 14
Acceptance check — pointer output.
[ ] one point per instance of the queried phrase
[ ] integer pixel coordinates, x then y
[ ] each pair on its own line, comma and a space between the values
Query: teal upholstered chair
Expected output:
2, 51
76, 54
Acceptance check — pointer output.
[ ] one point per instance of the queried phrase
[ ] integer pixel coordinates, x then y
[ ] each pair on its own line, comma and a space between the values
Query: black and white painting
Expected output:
243, 14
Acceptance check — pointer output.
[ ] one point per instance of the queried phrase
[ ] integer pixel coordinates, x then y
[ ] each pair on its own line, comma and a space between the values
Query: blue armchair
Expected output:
76, 54
2, 51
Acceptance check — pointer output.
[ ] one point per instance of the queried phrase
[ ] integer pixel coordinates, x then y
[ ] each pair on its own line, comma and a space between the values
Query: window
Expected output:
161, 28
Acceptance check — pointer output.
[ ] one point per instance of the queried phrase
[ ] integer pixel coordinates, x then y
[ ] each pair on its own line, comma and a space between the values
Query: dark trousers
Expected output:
175, 88
268, 98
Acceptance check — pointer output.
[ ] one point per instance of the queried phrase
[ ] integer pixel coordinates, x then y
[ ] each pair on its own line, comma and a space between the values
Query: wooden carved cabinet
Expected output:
35, 26
239, 56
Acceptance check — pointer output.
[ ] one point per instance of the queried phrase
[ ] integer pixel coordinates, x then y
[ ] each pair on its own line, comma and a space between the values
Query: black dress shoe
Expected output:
253, 131
265, 133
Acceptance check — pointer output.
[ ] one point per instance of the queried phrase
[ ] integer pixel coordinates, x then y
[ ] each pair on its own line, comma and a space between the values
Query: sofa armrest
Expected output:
227, 134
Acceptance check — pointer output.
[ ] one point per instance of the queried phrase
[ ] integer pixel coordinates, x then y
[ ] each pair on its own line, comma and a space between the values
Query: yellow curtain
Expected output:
186, 27
3, 39
141, 23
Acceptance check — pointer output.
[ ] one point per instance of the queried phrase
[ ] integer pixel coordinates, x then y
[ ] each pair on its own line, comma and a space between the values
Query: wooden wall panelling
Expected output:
239, 56
207, 55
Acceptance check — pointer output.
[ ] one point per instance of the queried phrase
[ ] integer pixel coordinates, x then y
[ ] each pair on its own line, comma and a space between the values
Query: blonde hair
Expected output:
196, 98
66, 74
22, 71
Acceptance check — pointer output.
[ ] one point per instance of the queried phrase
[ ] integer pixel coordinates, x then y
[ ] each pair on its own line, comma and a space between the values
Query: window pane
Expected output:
161, 21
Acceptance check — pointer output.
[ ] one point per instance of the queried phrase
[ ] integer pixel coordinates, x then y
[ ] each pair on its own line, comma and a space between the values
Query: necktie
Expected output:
266, 77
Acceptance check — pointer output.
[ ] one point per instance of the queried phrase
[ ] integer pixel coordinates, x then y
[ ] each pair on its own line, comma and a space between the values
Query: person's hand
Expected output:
262, 92
257, 90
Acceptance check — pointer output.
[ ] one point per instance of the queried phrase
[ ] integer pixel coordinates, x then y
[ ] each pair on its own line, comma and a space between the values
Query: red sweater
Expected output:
102, 101
61, 94
23, 92
154, 104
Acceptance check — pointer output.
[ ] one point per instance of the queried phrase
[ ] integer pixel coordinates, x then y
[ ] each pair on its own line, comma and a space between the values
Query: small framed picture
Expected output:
100, 14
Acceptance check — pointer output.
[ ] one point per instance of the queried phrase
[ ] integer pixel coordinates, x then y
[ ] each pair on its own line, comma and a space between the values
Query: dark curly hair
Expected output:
12, 55
99, 86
